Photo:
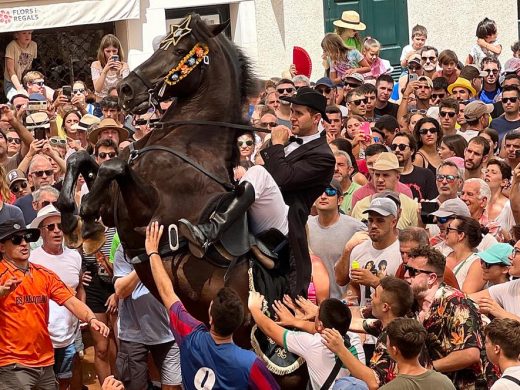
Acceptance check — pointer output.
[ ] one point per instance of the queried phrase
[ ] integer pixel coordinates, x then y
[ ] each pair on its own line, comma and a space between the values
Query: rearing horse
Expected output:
211, 79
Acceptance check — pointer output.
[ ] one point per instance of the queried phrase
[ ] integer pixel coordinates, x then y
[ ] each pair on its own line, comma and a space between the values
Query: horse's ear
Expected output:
216, 29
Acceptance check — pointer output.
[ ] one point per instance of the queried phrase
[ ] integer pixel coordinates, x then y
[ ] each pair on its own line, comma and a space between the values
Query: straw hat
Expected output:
106, 124
350, 19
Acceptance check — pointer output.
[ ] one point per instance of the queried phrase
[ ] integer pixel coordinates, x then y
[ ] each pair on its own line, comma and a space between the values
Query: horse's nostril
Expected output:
126, 90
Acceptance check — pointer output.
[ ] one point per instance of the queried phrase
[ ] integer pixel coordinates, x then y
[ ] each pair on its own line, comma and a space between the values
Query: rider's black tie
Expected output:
292, 138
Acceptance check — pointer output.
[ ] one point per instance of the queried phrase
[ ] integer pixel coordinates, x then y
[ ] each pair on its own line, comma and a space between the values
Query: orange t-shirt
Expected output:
24, 315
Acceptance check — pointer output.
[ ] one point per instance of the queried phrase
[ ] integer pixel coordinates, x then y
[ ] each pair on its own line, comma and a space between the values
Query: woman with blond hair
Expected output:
110, 67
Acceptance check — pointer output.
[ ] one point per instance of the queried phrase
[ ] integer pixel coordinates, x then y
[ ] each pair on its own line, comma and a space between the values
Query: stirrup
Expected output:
198, 251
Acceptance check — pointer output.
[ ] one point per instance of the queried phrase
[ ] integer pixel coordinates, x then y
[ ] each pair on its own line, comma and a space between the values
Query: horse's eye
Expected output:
180, 52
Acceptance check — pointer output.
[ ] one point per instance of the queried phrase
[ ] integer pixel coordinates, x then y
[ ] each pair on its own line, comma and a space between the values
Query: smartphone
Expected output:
426, 209
366, 130
67, 91
115, 58
39, 133
36, 105
413, 77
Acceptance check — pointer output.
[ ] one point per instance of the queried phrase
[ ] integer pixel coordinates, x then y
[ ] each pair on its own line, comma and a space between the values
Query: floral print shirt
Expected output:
384, 367
453, 324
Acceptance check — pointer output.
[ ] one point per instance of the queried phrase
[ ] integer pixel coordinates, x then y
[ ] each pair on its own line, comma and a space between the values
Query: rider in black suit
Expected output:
302, 166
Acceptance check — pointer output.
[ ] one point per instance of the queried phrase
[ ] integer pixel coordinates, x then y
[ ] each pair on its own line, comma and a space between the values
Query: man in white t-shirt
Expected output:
66, 263
503, 350
501, 300
376, 257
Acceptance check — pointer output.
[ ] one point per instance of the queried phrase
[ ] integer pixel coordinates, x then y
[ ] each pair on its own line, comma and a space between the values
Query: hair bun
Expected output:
484, 230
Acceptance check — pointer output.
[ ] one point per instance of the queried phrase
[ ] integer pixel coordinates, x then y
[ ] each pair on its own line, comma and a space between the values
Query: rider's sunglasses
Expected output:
52, 226
104, 155
28, 237
282, 90
447, 113
47, 172
448, 178
358, 102
329, 191
15, 188
245, 143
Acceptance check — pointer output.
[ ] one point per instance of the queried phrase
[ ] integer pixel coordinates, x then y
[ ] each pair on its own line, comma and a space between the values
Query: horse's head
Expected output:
175, 69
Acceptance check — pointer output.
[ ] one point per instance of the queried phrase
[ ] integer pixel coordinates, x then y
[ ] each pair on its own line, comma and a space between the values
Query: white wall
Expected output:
452, 24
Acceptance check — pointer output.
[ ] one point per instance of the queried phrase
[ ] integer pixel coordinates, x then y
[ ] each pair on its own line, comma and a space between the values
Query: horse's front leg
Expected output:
78, 163
140, 198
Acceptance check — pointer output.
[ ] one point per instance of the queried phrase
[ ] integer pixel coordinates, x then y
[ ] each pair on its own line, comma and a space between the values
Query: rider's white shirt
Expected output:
294, 145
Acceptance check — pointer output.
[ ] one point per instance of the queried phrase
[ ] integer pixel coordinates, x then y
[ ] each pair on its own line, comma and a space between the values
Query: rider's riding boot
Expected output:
205, 234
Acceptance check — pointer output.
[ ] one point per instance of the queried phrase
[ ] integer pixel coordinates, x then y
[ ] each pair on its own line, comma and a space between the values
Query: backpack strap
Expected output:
512, 379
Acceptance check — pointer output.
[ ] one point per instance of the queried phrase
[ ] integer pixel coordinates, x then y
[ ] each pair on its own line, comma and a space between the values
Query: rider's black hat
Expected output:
308, 97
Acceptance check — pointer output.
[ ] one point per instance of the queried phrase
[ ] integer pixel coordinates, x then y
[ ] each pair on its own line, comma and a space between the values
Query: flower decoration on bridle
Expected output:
187, 64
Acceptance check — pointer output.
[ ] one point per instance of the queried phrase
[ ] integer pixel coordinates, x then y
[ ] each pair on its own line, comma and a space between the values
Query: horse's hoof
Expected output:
94, 243
74, 239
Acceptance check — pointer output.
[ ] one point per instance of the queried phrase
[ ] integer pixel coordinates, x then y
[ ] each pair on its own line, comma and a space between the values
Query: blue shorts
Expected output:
63, 358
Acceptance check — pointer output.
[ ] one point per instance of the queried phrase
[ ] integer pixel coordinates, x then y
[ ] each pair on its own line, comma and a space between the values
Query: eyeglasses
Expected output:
438, 95
431, 59
246, 143
47, 172
443, 220
38, 83
28, 237
431, 130
488, 71
282, 90
413, 272
448, 229
46, 203
52, 226
57, 141
268, 124
17, 188
14, 140
509, 99
401, 147
515, 252
78, 91
104, 155
444, 114
358, 102
416, 111
325, 90
448, 178
329, 191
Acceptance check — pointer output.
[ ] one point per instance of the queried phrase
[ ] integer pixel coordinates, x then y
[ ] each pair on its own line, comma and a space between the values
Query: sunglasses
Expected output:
38, 83
504, 100
443, 220
17, 188
52, 226
448, 178
57, 141
16, 141
447, 113
416, 111
352, 85
27, 237
413, 272
432, 130
245, 143
401, 147
325, 90
414, 68
282, 90
515, 252
104, 155
329, 191
358, 102
268, 124
78, 91
438, 95
48, 172
488, 266
488, 71
431, 59
46, 203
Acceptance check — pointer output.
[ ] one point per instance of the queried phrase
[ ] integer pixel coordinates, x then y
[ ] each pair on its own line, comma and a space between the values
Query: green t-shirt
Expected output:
353, 43
430, 380
346, 205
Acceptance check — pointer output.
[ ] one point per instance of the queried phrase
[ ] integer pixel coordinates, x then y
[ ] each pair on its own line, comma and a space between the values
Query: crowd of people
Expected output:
414, 243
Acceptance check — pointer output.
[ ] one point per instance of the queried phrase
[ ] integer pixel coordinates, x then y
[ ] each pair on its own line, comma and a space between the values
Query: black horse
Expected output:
176, 170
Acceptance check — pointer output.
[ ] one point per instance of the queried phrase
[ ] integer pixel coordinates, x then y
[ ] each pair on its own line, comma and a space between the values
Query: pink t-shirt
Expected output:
369, 189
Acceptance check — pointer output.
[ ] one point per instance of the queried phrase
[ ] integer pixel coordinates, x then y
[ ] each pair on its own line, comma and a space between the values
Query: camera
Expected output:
36, 106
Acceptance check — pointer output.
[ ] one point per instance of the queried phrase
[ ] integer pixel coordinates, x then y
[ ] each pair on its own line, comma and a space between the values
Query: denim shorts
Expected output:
63, 358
